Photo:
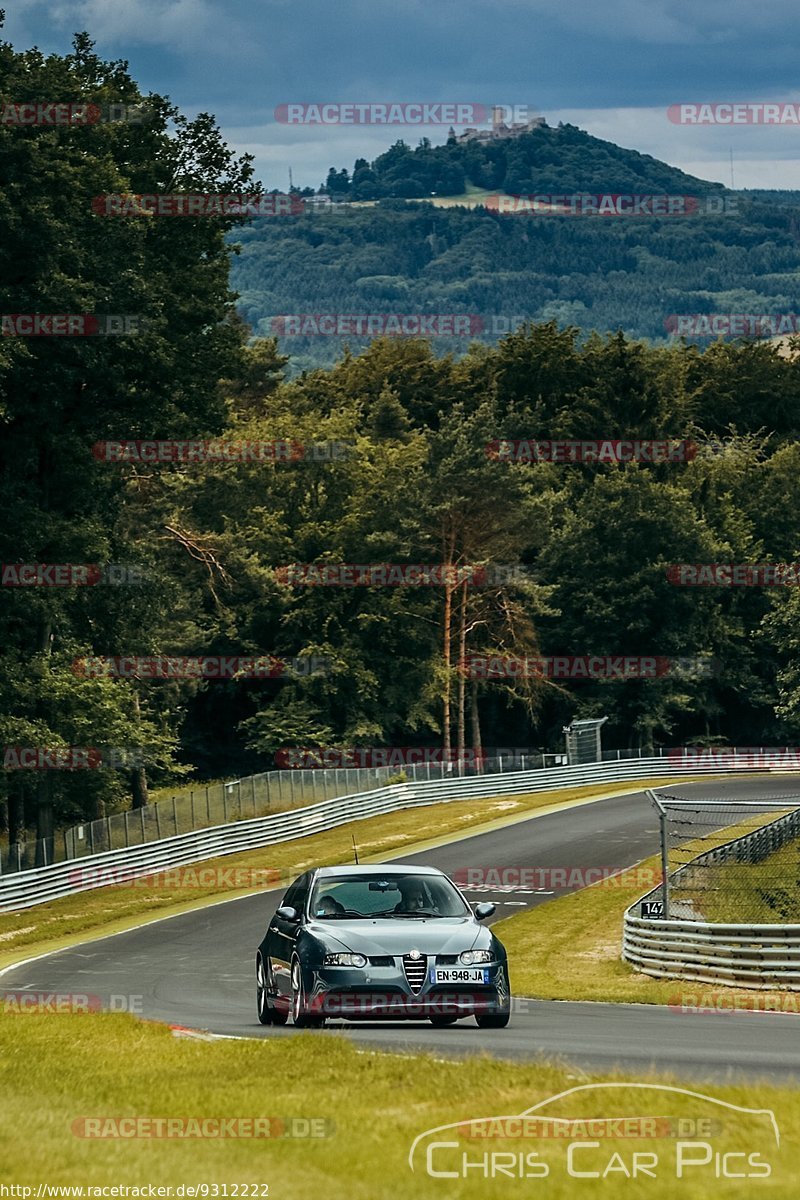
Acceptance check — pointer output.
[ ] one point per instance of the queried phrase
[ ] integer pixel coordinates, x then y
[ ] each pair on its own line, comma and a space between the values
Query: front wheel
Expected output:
301, 1017
492, 1020
268, 1014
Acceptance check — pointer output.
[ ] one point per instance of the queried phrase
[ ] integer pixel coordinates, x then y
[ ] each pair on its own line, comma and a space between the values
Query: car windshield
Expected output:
346, 897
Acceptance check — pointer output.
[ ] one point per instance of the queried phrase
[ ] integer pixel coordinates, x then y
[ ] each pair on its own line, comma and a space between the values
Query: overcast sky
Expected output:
610, 66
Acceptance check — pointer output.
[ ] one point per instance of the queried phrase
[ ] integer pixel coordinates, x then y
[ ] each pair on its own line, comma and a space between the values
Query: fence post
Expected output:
253, 792
127, 836
158, 821
144, 833
208, 806
664, 862
224, 803
175, 813
191, 800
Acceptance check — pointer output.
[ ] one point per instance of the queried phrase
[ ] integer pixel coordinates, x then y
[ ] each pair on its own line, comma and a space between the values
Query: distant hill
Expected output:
545, 160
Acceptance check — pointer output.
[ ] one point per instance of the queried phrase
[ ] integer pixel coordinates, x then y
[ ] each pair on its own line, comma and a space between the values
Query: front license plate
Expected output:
459, 975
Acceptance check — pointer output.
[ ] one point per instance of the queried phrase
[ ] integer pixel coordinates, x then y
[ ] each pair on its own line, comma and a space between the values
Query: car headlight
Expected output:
344, 960
475, 956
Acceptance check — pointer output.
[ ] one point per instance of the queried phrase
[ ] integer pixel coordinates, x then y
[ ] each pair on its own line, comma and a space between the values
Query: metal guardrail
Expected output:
26, 889
754, 956
758, 956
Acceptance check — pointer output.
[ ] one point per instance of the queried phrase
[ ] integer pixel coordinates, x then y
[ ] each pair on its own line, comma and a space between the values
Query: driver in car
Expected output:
326, 906
413, 896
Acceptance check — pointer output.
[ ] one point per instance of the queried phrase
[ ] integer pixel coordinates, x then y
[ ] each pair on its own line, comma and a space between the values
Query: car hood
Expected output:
439, 935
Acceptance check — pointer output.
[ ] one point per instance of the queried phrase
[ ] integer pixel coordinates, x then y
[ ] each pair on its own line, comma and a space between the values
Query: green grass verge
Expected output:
570, 949
57, 1070
109, 909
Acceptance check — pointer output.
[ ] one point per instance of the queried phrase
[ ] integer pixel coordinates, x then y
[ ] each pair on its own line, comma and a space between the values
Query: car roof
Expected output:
378, 871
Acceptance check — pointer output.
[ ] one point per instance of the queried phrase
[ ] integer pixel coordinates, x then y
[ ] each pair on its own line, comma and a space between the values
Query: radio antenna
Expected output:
355, 848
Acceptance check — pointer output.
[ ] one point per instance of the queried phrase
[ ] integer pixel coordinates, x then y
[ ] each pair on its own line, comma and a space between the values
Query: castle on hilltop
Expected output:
500, 129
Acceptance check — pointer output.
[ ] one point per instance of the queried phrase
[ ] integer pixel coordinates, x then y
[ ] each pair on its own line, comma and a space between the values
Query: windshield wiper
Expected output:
416, 912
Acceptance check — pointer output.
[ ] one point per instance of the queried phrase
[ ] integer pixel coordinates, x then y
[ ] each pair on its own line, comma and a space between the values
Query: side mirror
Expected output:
288, 913
482, 911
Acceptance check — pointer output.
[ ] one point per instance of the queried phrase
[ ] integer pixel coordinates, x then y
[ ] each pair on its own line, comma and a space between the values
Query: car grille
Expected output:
381, 960
446, 960
415, 969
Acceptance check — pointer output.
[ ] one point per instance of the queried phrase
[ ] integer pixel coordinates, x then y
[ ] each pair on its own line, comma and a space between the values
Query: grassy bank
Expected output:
58, 1071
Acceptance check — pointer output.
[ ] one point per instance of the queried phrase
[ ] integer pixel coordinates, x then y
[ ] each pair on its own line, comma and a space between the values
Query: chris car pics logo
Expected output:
610, 1132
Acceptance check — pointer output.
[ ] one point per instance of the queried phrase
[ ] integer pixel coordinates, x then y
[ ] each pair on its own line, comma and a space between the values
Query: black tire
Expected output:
493, 1020
301, 1017
268, 1014
439, 1022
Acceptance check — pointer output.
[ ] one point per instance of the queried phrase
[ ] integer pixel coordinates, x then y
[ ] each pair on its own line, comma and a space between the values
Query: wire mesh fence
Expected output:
726, 860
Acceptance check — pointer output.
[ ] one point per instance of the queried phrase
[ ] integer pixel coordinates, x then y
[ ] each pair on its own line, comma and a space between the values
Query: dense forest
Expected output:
594, 272
415, 483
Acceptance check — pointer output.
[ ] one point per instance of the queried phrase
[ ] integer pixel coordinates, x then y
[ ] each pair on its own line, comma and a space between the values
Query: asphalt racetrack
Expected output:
197, 969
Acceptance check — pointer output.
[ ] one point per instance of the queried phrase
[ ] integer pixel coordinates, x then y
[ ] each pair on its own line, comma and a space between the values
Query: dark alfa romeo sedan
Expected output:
380, 943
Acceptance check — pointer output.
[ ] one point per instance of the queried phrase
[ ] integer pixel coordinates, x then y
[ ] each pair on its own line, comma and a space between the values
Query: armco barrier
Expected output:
753, 956
28, 888
758, 956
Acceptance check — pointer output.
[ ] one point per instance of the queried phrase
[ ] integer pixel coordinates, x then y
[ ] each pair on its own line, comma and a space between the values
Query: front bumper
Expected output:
384, 993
